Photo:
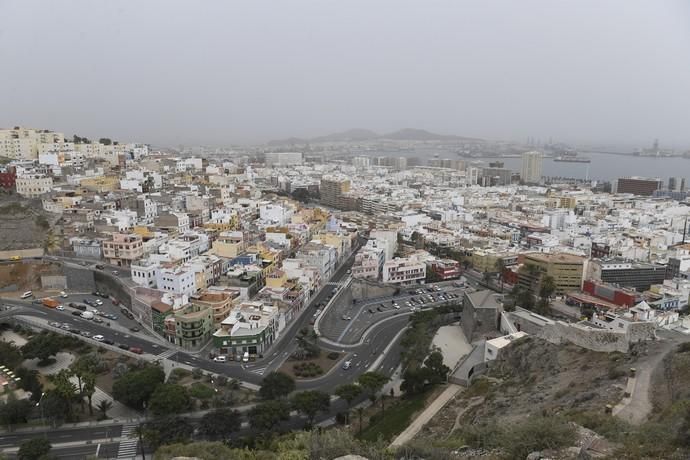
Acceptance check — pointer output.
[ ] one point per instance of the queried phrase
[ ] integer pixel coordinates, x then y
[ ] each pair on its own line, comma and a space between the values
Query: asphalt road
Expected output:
364, 314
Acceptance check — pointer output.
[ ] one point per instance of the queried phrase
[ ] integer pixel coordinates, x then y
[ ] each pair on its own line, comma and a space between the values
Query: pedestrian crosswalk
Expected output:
258, 371
167, 353
128, 442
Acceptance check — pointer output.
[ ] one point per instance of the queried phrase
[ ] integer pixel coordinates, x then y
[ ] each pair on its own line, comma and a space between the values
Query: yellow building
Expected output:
484, 261
101, 184
566, 270
277, 279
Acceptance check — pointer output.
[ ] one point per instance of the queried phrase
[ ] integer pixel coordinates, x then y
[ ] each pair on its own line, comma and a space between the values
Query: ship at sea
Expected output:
572, 157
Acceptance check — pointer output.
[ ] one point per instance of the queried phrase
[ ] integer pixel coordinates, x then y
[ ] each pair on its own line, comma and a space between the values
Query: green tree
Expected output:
415, 380
53, 406
28, 381
310, 403
372, 382
348, 392
104, 406
14, 410
34, 449
547, 287
64, 388
166, 430
438, 370
267, 415
104, 141
10, 356
89, 388
306, 342
169, 398
135, 387
42, 346
220, 423
276, 385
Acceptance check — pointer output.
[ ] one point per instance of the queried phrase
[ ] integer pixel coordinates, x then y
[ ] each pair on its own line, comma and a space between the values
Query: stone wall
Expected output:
35, 252
54, 282
79, 279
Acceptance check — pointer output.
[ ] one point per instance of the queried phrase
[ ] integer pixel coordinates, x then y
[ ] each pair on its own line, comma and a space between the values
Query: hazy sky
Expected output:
218, 72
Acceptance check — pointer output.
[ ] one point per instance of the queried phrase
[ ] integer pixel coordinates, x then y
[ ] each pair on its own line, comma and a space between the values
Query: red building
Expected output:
8, 178
610, 293
446, 269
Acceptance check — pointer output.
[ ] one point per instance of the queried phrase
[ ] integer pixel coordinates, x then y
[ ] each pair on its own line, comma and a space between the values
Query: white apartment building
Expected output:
178, 280
145, 273
22, 143
274, 214
531, 167
403, 271
283, 158
386, 239
369, 263
34, 185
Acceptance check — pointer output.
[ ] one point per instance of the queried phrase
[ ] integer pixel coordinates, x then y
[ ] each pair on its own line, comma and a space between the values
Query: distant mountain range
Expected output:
359, 135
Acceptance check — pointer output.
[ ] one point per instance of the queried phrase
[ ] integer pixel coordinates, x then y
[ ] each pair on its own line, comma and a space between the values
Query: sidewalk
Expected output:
423, 418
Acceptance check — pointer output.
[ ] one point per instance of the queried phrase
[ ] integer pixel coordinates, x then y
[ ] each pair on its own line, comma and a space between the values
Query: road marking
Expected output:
259, 371
128, 442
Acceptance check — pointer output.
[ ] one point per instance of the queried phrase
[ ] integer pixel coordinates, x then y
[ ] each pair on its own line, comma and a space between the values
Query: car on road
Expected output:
54, 324
76, 313
347, 365
86, 333
100, 267
98, 338
347, 318
27, 294
98, 320
65, 326
136, 350
370, 311
108, 341
134, 329
60, 307
115, 272
74, 331
396, 306
123, 346
378, 309
111, 316
63, 294
221, 359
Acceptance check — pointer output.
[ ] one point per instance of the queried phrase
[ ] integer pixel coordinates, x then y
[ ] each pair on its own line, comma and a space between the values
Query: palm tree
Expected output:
104, 406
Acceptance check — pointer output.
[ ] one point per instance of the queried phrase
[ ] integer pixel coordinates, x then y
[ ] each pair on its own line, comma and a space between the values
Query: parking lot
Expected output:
346, 320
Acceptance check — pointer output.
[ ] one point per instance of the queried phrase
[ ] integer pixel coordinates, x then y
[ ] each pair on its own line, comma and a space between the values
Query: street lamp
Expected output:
43, 421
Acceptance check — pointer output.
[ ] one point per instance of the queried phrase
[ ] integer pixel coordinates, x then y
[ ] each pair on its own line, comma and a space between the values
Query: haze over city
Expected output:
217, 73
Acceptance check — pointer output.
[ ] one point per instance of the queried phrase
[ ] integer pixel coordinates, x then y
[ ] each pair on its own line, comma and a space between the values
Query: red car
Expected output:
136, 350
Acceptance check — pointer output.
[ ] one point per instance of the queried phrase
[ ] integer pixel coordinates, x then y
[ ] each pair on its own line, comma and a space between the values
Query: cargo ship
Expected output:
572, 157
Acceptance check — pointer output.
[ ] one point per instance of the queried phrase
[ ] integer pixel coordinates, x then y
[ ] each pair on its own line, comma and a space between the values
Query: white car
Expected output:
60, 307
396, 306
63, 294
99, 302
98, 338
346, 365
221, 359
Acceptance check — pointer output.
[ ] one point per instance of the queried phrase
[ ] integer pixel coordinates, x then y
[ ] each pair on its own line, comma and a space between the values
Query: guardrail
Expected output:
340, 291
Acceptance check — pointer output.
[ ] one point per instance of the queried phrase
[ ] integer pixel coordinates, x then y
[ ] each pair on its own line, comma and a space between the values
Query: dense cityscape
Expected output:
362, 230
345, 274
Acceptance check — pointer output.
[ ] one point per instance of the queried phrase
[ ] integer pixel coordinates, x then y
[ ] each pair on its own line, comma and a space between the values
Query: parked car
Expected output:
100, 267
74, 331
123, 346
221, 359
60, 307
27, 294
63, 294
86, 333
134, 329
76, 313
347, 318
98, 320
136, 350
108, 341
98, 338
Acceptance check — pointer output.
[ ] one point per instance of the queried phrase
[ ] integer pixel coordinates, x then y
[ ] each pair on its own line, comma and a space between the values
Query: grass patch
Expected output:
200, 391
395, 419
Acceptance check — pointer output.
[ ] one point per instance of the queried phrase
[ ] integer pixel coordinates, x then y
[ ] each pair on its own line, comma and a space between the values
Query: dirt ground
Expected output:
25, 276
536, 377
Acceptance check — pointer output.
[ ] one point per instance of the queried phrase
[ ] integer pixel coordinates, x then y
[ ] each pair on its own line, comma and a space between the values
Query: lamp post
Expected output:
43, 421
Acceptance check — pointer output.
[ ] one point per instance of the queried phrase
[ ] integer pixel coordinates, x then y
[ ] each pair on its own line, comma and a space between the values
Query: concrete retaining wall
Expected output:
54, 282
33, 252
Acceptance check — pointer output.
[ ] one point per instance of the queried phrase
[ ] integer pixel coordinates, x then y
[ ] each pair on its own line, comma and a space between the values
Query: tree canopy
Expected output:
349, 392
169, 398
220, 423
310, 403
372, 382
267, 415
42, 346
276, 385
34, 449
135, 387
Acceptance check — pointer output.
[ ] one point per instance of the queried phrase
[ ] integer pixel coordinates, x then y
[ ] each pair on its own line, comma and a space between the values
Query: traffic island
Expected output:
307, 369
